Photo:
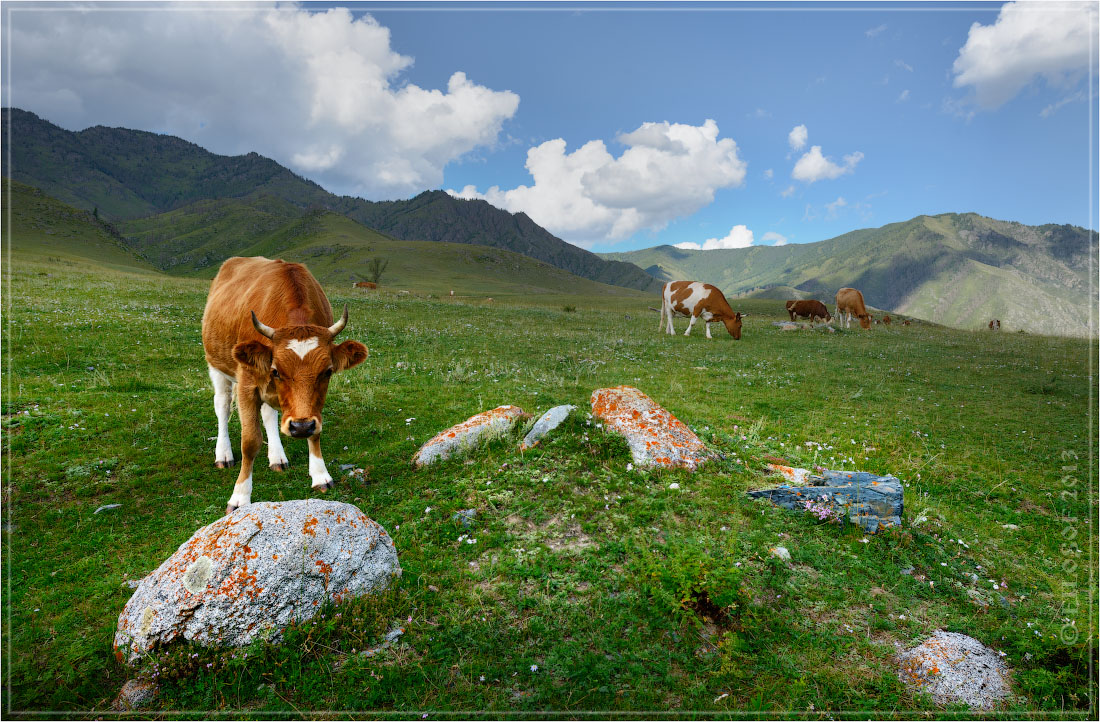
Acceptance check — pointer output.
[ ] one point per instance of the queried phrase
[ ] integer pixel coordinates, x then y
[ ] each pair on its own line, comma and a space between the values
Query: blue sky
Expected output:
685, 112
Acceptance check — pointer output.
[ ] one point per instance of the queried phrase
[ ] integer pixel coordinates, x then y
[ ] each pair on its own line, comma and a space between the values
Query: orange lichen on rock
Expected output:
487, 424
655, 436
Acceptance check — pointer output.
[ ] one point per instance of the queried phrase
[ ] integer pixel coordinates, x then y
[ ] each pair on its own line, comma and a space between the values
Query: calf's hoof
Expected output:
323, 487
225, 464
281, 466
230, 509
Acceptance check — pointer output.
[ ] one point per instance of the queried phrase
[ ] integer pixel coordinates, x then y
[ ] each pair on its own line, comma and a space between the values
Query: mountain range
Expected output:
184, 210
126, 175
958, 269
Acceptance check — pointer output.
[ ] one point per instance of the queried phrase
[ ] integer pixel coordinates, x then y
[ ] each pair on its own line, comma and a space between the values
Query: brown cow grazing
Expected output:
810, 309
283, 366
850, 301
905, 322
698, 300
995, 325
886, 319
364, 284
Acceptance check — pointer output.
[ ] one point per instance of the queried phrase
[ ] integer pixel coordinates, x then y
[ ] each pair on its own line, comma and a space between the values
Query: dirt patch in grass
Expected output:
558, 533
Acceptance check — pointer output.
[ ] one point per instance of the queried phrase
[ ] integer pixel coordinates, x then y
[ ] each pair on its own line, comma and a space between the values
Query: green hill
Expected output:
36, 224
129, 175
336, 249
957, 269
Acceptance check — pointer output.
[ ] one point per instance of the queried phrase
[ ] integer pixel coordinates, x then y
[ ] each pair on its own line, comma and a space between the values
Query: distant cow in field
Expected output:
698, 300
849, 301
285, 366
364, 284
810, 308
905, 322
995, 325
886, 319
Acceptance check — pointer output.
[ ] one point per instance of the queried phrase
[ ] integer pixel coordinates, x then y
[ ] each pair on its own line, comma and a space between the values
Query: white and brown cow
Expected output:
268, 332
698, 300
850, 301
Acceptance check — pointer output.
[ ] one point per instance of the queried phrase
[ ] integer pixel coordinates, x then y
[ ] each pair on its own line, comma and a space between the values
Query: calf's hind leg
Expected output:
223, 405
317, 471
276, 456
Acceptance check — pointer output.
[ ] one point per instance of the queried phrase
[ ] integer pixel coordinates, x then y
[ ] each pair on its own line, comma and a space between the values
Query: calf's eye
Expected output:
275, 373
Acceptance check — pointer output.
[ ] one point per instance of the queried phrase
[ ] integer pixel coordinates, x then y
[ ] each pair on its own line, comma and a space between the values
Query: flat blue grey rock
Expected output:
872, 501
546, 423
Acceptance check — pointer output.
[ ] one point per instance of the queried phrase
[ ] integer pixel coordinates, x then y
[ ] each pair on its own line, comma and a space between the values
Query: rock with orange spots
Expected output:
656, 437
462, 437
955, 668
251, 573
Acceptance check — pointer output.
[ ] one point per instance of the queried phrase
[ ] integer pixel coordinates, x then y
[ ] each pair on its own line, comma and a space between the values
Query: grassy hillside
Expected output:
955, 269
36, 224
187, 206
593, 589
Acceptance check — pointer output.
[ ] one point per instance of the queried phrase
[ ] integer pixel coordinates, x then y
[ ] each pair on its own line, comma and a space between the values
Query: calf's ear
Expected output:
254, 355
348, 354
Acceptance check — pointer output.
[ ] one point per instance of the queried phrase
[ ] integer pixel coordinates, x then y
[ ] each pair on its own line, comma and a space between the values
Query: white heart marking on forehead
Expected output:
302, 347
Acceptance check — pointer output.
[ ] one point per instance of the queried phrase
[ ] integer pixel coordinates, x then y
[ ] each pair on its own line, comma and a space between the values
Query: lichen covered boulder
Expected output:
546, 423
656, 437
954, 668
252, 573
874, 502
462, 437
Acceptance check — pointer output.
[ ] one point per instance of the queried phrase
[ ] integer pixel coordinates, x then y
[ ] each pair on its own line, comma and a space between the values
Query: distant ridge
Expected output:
131, 174
958, 269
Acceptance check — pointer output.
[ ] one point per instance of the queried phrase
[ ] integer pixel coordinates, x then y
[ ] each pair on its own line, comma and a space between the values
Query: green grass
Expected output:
628, 596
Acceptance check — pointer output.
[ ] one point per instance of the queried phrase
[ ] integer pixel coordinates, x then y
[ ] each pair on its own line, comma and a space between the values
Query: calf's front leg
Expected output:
248, 406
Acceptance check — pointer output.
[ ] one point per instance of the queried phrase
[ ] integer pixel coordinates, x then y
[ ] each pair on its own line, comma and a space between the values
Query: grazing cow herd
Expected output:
269, 337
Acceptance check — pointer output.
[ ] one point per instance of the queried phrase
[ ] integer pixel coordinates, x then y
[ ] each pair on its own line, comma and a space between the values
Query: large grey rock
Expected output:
656, 437
251, 573
546, 423
955, 668
462, 437
872, 501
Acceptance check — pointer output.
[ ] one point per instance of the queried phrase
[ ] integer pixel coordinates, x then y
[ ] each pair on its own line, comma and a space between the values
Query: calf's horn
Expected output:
339, 325
263, 328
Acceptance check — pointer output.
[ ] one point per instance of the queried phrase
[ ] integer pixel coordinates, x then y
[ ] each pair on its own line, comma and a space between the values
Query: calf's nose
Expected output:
302, 429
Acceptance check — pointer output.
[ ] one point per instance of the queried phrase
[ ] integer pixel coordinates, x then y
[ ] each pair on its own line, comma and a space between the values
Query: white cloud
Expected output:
321, 92
668, 171
738, 237
903, 65
780, 240
832, 208
904, 96
797, 137
813, 166
1054, 107
769, 174
1029, 40
787, 192
872, 32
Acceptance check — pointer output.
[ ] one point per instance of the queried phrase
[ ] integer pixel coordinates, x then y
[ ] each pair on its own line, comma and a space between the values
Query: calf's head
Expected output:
865, 320
298, 365
733, 325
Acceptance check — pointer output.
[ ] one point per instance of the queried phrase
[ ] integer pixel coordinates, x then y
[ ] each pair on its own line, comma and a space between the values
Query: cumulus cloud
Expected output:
321, 92
779, 239
832, 208
769, 174
813, 166
787, 192
668, 170
904, 96
872, 32
797, 137
1029, 40
738, 237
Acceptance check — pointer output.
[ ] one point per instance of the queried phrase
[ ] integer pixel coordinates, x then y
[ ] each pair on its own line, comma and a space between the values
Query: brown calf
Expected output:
282, 366
886, 319
810, 309
364, 284
698, 300
850, 301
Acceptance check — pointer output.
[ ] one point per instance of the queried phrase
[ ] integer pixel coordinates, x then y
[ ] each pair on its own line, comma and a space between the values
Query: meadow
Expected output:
584, 587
